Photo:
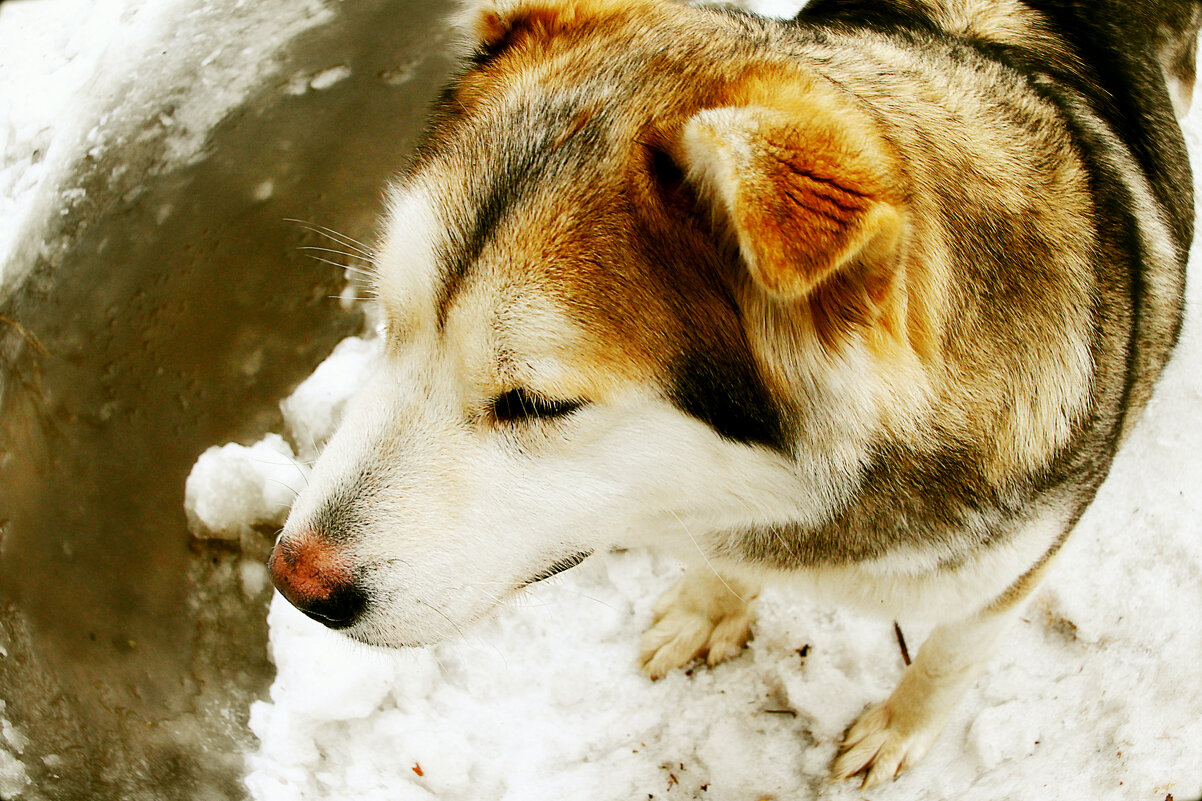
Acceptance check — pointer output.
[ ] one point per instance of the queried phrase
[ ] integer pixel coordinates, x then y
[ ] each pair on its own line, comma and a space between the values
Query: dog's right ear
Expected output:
806, 195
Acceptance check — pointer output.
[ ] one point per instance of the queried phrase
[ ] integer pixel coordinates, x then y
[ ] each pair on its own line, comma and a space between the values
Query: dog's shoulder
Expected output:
1121, 73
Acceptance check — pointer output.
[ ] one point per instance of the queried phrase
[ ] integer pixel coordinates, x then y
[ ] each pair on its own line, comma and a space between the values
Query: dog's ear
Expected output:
806, 194
490, 24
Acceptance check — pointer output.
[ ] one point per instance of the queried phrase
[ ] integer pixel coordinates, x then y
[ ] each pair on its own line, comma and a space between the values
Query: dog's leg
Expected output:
703, 613
897, 733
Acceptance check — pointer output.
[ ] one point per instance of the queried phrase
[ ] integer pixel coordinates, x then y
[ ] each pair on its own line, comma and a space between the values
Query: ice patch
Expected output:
303, 82
82, 76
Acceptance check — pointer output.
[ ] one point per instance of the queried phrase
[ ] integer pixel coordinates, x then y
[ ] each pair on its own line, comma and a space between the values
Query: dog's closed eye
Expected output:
519, 404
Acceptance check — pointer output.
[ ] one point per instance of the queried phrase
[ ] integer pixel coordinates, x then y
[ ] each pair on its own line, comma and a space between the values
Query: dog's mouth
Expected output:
563, 564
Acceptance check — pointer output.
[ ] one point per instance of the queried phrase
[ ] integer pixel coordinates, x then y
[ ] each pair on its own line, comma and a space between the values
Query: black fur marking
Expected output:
498, 198
504, 179
871, 14
486, 52
674, 191
729, 396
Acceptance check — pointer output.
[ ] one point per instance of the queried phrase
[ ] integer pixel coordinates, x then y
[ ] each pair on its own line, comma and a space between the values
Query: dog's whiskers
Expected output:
442, 614
434, 655
472, 641
349, 268
494, 598
342, 239
706, 558
588, 597
296, 465
287, 486
353, 256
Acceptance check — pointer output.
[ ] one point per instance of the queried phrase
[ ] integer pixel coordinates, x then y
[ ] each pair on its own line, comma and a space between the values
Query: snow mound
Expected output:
233, 489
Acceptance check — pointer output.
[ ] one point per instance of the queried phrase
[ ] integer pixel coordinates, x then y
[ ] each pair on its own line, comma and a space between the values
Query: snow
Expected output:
233, 488
13, 777
312, 411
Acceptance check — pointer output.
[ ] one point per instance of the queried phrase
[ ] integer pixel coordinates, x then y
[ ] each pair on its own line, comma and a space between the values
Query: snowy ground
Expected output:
1096, 695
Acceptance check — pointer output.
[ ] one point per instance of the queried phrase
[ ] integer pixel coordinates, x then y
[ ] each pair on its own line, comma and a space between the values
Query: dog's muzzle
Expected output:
313, 576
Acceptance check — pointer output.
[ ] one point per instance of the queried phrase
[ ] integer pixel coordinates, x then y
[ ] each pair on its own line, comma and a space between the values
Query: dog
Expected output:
865, 301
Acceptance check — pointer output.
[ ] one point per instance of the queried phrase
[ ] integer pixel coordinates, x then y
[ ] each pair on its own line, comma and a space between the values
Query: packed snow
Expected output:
1096, 694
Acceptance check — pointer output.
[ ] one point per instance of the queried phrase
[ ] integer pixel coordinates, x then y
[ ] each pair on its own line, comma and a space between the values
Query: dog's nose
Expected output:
313, 576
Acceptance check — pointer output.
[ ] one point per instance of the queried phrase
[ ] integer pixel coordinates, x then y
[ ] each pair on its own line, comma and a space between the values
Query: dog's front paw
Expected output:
883, 743
896, 734
702, 614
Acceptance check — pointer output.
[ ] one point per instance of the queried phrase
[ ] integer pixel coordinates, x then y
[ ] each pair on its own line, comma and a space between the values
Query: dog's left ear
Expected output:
805, 193
491, 23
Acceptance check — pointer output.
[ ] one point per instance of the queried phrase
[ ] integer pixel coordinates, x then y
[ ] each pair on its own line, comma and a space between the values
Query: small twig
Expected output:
24, 333
901, 642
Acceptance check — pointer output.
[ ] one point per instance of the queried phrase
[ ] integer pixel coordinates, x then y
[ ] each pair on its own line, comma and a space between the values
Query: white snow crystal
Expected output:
1003, 732
233, 488
327, 78
13, 778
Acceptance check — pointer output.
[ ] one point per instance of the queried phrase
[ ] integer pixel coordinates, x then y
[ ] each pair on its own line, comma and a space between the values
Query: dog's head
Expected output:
616, 205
